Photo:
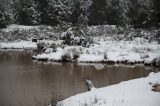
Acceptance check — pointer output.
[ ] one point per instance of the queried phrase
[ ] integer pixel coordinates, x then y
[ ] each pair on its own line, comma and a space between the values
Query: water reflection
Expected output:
27, 83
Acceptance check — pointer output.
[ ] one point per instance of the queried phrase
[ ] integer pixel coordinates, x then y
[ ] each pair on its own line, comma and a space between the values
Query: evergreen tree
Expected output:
139, 13
155, 13
81, 12
4, 18
115, 13
42, 7
56, 11
98, 13
26, 12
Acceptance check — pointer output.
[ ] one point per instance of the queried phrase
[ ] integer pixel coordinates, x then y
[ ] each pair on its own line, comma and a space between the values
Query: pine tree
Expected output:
98, 13
56, 11
155, 13
4, 18
26, 12
115, 12
81, 12
139, 12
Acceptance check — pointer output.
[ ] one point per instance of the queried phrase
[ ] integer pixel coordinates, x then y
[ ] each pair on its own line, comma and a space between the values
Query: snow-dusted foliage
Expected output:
20, 32
26, 12
4, 17
58, 11
138, 14
81, 11
76, 35
98, 12
94, 44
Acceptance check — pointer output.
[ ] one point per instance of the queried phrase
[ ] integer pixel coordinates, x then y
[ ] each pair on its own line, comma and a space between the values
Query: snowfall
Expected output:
137, 92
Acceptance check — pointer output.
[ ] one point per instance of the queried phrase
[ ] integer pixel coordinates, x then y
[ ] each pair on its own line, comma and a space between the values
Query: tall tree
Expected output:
26, 12
139, 13
4, 17
55, 11
155, 16
115, 13
98, 13
81, 12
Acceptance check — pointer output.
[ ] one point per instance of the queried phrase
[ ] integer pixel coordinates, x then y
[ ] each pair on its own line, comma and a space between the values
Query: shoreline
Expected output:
127, 52
140, 92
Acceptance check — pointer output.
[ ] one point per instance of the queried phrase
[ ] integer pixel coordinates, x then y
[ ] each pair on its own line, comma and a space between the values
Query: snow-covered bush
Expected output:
81, 36
20, 32
71, 53
76, 36
42, 46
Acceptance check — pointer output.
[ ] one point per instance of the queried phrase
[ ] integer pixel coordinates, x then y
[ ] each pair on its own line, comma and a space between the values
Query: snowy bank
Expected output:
104, 43
14, 27
108, 50
136, 92
19, 45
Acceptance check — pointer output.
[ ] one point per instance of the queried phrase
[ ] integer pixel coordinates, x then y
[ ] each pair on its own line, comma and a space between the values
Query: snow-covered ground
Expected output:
106, 49
19, 45
136, 92
19, 27
107, 46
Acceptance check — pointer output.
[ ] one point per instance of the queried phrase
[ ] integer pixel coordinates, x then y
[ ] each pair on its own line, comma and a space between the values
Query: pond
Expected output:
24, 82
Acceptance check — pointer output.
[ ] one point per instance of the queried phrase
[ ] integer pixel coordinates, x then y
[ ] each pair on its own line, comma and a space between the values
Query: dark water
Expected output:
27, 83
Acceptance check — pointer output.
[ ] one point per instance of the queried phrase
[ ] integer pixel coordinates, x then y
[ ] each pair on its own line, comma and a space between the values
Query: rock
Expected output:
89, 84
70, 56
156, 87
66, 57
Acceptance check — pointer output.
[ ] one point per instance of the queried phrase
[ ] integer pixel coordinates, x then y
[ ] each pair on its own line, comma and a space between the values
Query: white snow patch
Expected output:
91, 58
19, 27
55, 56
19, 45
